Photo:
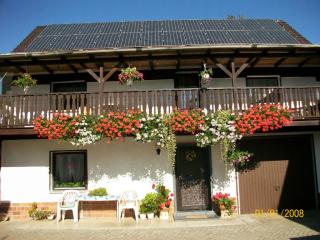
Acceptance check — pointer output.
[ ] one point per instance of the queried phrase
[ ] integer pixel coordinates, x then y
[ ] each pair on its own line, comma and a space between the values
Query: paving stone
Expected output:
246, 227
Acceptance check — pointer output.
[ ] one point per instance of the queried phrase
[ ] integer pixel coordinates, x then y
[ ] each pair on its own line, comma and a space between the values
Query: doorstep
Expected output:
193, 215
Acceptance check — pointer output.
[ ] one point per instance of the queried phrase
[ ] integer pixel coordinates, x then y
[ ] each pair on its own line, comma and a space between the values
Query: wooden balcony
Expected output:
18, 111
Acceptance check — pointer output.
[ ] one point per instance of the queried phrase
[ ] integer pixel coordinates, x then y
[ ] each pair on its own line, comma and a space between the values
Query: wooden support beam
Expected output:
303, 62
92, 73
223, 68
45, 67
278, 63
233, 74
83, 65
109, 74
257, 58
178, 60
240, 69
151, 62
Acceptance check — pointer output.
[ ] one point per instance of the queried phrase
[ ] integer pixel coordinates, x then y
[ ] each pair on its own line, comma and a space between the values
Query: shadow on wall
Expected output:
122, 163
222, 175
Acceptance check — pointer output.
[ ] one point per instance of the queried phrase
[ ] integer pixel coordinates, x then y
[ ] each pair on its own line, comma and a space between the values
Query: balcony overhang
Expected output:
151, 58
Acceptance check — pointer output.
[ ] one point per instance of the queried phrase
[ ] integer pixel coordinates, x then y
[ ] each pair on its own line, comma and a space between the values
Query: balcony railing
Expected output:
20, 110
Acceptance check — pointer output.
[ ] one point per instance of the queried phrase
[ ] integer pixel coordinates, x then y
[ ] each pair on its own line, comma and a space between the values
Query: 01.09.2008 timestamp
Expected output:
287, 213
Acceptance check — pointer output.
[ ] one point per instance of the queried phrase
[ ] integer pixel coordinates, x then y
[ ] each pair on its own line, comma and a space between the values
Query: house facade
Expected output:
76, 68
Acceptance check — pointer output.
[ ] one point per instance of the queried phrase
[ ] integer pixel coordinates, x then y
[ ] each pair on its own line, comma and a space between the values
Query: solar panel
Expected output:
159, 33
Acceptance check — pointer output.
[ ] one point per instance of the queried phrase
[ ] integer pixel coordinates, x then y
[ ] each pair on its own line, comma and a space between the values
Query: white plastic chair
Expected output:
68, 201
128, 200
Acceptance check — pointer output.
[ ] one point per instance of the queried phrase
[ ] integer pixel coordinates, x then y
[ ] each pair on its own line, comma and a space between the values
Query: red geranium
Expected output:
263, 117
186, 121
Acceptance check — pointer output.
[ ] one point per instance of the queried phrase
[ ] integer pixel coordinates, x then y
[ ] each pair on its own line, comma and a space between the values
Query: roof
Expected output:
166, 33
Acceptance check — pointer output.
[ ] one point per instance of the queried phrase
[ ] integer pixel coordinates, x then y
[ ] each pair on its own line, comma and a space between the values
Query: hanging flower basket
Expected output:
206, 74
24, 81
129, 75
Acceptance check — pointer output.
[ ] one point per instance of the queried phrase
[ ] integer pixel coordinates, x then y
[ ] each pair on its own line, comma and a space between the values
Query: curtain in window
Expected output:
69, 167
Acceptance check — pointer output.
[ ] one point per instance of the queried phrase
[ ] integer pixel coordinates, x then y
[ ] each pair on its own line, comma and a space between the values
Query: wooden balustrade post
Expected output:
101, 79
233, 75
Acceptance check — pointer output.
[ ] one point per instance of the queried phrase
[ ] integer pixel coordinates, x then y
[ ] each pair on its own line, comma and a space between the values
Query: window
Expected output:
262, 81
66, 100
68, 169
74, 86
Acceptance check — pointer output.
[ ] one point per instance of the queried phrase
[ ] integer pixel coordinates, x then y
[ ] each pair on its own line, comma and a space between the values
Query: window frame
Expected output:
51, 180
264, 76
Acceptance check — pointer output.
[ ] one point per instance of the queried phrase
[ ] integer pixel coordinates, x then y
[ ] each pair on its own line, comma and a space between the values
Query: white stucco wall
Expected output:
223, 177
116, 166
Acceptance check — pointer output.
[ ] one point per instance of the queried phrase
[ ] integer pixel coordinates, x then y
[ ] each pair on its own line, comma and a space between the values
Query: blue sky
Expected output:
18, 18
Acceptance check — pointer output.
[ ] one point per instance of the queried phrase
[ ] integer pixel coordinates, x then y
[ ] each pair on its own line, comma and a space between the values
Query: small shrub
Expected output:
99, 192
38, 214
150, 203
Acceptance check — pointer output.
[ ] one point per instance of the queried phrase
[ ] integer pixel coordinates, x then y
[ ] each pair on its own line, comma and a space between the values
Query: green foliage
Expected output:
24, 80
238, 157
206, 72
143, 209
34, 207
99, 192
149, 204
38, 214
59, 184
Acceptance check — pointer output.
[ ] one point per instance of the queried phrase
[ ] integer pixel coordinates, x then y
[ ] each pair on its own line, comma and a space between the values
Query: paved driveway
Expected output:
242, 227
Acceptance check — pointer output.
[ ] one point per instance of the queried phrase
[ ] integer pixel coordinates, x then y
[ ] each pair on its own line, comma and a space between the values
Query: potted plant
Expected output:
150, 205
164, 198
223, 204
24, 81
129, 75
205, 74
238, 157
143, 211
98, 193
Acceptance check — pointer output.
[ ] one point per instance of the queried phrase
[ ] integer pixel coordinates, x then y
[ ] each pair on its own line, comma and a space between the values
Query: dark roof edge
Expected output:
30, 37
301, 39
158, 49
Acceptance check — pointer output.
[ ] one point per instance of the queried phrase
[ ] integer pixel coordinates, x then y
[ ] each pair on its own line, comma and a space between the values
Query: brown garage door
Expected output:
283, 177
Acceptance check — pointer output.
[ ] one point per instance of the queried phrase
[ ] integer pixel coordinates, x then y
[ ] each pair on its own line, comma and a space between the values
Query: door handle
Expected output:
277, 188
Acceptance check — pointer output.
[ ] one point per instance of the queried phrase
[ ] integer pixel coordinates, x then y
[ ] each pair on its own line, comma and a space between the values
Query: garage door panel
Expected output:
282, 179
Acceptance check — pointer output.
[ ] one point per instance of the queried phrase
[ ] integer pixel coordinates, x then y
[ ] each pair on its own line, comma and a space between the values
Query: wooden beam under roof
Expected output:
43, 66
278, 63
213, 56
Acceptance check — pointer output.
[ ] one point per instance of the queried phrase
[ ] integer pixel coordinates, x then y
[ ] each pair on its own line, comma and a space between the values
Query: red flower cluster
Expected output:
119, 124
164, 197
219, 196
186, 121
60, 127
263, 117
